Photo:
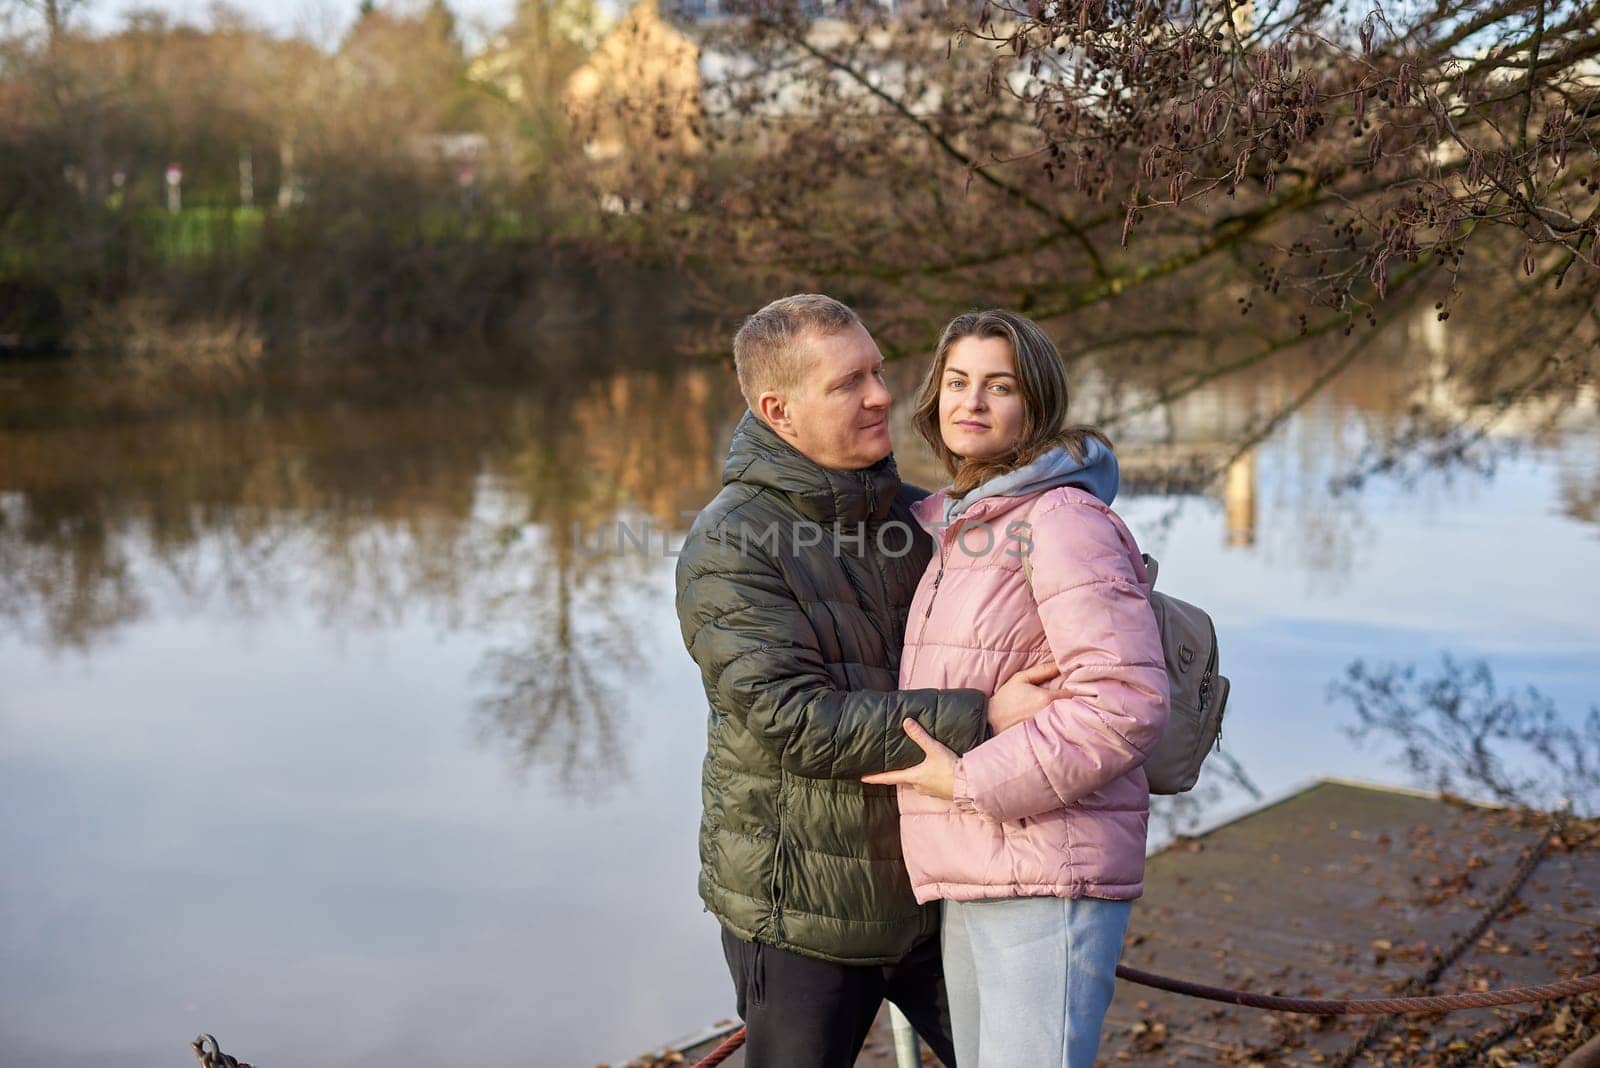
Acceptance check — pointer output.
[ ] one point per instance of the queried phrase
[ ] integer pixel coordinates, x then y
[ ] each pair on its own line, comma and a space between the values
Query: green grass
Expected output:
201, 233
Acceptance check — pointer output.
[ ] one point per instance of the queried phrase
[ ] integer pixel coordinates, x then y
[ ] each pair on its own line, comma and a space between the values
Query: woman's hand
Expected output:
1023, 696
934, 777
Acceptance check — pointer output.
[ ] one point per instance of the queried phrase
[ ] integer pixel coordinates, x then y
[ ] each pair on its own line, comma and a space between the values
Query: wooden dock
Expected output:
1346, 889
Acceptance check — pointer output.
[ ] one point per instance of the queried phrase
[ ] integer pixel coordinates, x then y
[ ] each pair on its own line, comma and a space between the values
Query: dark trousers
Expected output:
801, 1012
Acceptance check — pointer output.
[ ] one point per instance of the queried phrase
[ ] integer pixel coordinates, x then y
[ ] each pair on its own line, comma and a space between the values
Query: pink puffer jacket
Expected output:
1057, 806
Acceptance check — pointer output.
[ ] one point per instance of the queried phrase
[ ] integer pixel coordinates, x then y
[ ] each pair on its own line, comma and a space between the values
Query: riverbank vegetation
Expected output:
165, 177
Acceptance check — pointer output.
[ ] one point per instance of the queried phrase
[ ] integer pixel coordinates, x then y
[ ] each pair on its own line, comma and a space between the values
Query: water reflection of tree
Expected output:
64, 575
555, 692
1457, 731
374, 504
631, 453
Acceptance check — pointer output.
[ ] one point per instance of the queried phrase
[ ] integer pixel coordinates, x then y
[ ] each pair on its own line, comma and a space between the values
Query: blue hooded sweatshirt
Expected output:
1096, 473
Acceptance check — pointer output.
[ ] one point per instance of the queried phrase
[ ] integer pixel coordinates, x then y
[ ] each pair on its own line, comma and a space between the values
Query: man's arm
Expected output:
763, 665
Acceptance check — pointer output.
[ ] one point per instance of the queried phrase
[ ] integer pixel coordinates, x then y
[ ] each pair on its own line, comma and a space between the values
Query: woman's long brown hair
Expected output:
1042, 377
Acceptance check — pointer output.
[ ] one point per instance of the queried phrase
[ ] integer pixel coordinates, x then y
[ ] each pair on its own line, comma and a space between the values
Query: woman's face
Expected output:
980, 401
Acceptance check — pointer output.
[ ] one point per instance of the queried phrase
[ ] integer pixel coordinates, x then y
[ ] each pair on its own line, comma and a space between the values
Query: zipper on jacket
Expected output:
938, 577
774, 886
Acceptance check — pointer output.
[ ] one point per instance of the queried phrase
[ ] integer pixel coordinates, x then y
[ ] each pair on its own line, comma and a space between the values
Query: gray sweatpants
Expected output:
1030, 978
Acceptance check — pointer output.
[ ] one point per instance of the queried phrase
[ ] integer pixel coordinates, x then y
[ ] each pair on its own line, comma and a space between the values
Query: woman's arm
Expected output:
1103, 638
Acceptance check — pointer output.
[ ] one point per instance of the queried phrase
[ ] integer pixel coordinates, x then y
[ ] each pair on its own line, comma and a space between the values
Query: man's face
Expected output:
838, 415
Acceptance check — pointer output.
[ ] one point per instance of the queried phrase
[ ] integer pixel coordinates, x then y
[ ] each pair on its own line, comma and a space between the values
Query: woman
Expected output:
1034, 841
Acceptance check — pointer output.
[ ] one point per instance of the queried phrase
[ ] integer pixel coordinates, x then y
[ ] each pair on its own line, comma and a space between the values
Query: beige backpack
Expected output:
1199, 692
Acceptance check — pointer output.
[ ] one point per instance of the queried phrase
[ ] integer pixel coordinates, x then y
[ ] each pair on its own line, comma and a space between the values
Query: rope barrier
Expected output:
726, 1049
1482, 999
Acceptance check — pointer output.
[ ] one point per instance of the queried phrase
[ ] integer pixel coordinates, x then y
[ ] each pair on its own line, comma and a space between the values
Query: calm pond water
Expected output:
321, 731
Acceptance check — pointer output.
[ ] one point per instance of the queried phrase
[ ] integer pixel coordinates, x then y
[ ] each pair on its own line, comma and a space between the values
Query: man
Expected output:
793, 588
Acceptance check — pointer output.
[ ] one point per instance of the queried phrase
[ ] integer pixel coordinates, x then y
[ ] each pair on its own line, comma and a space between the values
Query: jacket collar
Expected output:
759, 457
1095, 471
930, 512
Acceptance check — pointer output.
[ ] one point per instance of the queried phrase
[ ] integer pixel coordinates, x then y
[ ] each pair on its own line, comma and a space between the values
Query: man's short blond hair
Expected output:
766, 351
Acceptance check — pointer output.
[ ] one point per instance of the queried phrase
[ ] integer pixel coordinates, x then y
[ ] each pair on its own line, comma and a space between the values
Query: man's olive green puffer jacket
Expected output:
793, 587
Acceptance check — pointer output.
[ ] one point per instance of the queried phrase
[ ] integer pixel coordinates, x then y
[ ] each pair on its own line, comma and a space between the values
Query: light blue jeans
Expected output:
1030, 978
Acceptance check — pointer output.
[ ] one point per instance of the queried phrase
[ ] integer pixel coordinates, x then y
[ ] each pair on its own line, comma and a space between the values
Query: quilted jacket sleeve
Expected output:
1103, 636
762, 665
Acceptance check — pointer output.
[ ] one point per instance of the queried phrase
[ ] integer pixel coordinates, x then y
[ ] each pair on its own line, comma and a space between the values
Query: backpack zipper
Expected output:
1205, 697
1206, 682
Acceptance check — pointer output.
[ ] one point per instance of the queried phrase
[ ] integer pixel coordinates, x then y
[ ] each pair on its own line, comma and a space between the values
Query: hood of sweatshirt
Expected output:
1096, 472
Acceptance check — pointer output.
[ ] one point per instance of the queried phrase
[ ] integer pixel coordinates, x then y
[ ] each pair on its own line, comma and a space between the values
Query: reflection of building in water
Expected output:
650, 438
1452, 388
1239, 498
1197, 451
1451, 400
1196, 467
